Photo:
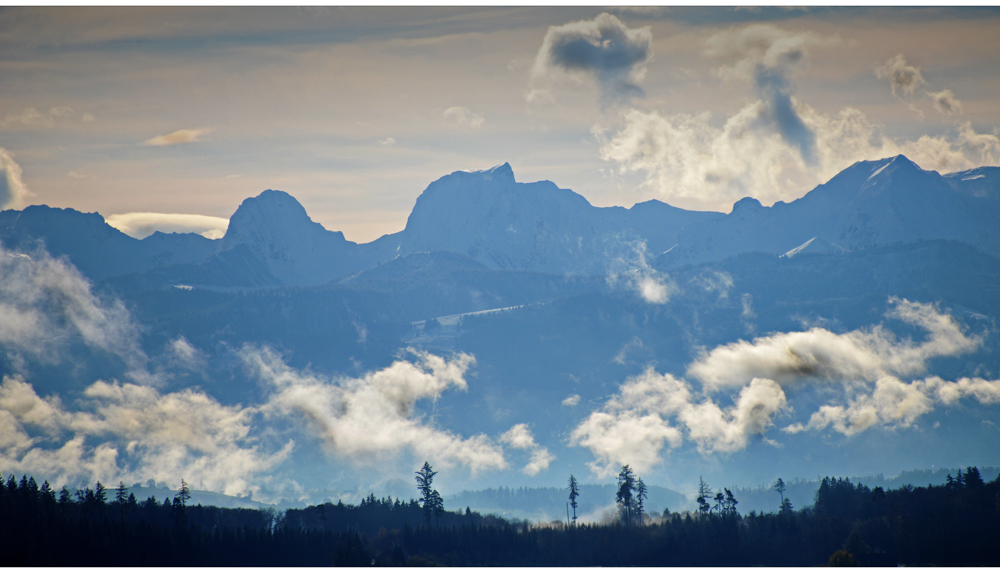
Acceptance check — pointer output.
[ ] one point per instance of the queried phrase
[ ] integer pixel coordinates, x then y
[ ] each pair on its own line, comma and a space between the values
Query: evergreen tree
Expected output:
624, 497
779, 486
641, 494
574, 492
430, 499
704, 494
183, 494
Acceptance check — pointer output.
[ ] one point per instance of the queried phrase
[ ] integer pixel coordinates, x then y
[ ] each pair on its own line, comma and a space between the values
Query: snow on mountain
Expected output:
815, 246
870, 203
505, 224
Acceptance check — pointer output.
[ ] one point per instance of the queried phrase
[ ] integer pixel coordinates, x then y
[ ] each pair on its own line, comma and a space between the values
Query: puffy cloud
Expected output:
603, 50
624, 438
371, 418
141, 225
463, 116
131, 432
180, 136
945, 102
985, 391
714, 429
13, 192
902, 76
519, 437
866, 354
46, 302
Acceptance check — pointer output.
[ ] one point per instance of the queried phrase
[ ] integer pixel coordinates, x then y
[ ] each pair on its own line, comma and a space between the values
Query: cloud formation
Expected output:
945, 102
372, 418
463, 117
629, 267
519, 437
903, 78
131, 433
767, 55
179, 137
141, 225
866, 354
602, 50
654, 411
46, 303
13, 192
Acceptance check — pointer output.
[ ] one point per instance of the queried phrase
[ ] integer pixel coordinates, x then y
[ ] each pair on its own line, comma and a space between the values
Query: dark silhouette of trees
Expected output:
625, 497
641, 495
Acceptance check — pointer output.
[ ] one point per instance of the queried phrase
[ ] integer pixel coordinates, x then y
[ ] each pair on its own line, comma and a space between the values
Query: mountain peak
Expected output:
747, 204
502, 172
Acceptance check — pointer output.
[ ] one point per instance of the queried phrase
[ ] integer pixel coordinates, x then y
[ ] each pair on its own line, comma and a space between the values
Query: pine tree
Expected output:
704, 494
183, 494
626, 485
641, 494
574, 492
430, 499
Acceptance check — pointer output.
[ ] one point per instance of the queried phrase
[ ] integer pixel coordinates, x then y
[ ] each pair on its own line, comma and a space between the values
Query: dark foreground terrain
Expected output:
953, 524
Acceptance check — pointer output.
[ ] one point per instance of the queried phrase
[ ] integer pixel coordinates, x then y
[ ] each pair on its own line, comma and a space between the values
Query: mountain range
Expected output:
551, 297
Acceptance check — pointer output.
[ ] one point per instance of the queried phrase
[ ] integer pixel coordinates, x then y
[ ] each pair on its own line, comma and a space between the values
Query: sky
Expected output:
167, 118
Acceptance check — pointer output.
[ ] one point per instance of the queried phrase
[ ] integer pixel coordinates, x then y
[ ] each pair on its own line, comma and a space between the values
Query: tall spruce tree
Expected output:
574, 492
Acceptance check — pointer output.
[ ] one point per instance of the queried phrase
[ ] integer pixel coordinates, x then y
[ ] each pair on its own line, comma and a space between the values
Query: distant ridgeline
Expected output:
851, 524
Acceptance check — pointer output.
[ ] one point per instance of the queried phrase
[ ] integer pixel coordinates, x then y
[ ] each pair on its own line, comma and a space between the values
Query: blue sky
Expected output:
354, 110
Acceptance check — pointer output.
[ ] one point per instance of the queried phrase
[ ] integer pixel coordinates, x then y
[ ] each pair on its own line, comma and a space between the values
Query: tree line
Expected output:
848, 523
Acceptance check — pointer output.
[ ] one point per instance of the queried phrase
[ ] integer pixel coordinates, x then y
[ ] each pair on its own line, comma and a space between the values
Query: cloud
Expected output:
767, 55
629, 266
387, 142
686, 157
46, 303
945, 102
571, 400
902, 76
141, 225
30, 117
866, 354
180, 136
464, 117
130, 432
519, 437
652, 411
13, 192
372, 418
602, 50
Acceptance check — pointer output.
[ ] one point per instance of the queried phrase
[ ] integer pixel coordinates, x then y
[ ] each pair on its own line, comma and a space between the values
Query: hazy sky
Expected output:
355, 110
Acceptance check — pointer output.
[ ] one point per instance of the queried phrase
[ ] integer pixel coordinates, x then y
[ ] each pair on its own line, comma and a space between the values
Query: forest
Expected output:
954, 524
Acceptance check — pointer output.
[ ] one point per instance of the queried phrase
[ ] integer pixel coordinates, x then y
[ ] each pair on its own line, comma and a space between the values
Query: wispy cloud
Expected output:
464, 117
179, 137
141, 225
13, 192
46, 303
904, 79
945, 102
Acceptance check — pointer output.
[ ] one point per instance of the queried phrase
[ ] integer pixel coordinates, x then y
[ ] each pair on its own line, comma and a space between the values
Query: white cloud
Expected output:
866, 354
464, 117
571, 400
370, 419
714, 429
13, 192
46, 302
179, 137
141, 225
519, 437
602, 50
130, 432
902, 76
630, 267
